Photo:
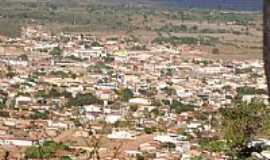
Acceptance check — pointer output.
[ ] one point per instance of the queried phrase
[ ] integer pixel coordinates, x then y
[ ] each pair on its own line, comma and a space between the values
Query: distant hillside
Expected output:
245, 5
240, 5
218, 4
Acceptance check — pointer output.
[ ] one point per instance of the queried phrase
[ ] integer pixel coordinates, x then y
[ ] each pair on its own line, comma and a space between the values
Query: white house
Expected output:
111, 119
120, 135
140, 101
165, 139
22, 101
16, 141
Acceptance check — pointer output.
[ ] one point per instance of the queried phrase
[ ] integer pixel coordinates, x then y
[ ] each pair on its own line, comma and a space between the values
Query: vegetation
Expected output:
39, 115
149, 130
71, 16
56, 52
169, 90
215, 51
168, 145
83, 99
179, 107
3, 99
246, 90
171, 28
198, 158
66, 158
10, 27
45, 150
99, 68
63, 74
213, 145
52, 93
133, 108
173, 40
242, 124
125, 94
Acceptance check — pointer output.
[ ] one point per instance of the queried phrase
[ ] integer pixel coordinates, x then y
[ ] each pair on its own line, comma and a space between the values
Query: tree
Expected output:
95, 144
149, 130
83, 99
241, 125
24, 57
215, 51
45, 150
125, 94
170, 91
179, 107
11, 73
56, 52
39, 115
96, 44
117, 151
66, 158
266, 41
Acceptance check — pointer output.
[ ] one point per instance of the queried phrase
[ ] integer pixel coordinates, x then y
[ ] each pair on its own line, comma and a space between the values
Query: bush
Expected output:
215, 51
149, 130
125, 94
66, 158
56, 52
179, 107
133, 108
242, 124
46, 150
39, 115
213, 145
246, 90
83, 99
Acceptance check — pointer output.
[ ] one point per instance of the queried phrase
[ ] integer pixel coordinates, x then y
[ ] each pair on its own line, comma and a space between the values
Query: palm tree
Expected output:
266, 41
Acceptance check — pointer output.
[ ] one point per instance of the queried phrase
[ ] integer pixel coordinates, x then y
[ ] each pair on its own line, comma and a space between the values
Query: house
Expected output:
140, 101
22, 101
165, 139
120, 56
91, 112
94, 52
120, 135
57, 125
23, 142
111, 119
147, 147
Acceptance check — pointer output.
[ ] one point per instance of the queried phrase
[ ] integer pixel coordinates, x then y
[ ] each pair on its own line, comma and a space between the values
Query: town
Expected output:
80, 96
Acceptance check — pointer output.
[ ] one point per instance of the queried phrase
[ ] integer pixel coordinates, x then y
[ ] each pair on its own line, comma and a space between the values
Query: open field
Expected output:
232, 33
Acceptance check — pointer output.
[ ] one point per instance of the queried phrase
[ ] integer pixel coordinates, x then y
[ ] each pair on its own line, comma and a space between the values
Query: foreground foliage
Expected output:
242, 124
45, 150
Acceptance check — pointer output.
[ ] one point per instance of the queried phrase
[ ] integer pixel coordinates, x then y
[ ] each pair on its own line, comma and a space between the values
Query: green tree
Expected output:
149, 130
56, 52
39, 115
45, 150
241, 125
180, 107
66, 158
213, 145
125, 94
83, 99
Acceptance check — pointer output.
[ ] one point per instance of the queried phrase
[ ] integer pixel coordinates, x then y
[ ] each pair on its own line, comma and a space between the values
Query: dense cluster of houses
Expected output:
148, 99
